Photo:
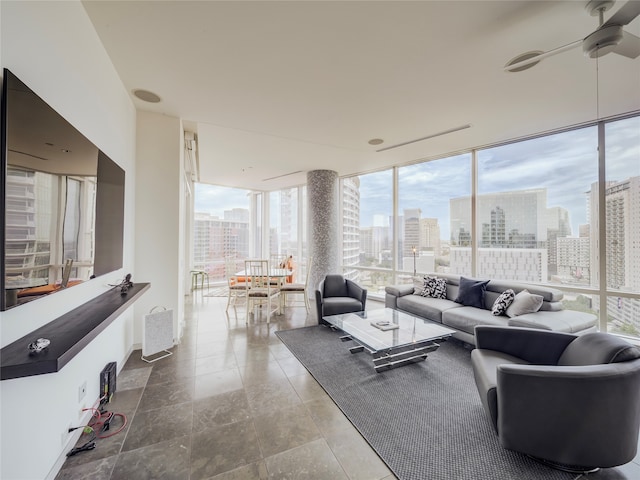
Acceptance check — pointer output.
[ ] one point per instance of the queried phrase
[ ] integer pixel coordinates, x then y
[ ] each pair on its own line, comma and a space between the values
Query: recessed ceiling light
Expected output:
375, 141
146, 96
521, 58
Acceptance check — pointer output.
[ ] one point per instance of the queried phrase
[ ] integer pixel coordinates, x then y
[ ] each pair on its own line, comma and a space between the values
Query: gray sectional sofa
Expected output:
463, 319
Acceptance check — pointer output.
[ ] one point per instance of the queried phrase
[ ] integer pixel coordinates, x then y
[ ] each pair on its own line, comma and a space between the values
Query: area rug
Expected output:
424, 420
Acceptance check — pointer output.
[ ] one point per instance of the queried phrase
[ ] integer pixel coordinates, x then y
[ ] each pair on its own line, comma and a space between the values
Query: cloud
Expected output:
565, 164
215, 200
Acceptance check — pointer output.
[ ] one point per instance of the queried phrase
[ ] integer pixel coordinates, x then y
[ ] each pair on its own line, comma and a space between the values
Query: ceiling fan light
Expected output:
602, 41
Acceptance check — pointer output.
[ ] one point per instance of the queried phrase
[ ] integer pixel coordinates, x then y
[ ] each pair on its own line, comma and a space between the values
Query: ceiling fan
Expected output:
608, 37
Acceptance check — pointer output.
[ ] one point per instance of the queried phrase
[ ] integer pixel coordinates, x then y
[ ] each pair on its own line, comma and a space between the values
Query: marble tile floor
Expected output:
232, 403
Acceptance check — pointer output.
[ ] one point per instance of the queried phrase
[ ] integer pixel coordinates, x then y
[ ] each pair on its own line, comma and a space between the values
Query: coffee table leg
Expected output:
389, 359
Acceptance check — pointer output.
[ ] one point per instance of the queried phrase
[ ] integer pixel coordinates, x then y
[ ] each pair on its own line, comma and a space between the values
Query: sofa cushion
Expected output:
471, 292
418, 285
598, 348
524, 302
338, 305
567, 321
426, 307
504, 300
465, 319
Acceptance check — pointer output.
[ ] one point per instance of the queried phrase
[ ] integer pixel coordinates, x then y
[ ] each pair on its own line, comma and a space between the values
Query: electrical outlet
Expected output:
82, 391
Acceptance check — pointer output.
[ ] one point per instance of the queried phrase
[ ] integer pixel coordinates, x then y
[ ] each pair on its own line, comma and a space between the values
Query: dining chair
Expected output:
259, 290
277, 260
297, 288
236, 285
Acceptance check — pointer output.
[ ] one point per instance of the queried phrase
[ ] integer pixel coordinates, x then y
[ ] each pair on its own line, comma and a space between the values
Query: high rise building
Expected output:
214, 239
373, 241
622, 211
510, 220
517, 218
236, 215
622, 263
573, 262
429, 235
558, 220
284, 236
521, 264
558, 226
350, 226
411, 231
494, 234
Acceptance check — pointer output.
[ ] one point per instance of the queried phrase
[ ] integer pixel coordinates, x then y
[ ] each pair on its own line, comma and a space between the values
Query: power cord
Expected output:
101, 423
90, 445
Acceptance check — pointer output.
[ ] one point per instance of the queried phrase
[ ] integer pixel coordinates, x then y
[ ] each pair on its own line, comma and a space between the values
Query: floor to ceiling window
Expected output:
433, 200
287, 231
532, 218
622, 225
367, 215
283, 220
221, 228
539, 207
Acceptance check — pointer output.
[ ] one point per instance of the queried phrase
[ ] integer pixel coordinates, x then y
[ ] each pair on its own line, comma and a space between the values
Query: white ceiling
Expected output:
273, 88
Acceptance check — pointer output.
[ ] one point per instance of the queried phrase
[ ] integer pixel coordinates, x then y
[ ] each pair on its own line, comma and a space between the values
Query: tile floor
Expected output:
232, 403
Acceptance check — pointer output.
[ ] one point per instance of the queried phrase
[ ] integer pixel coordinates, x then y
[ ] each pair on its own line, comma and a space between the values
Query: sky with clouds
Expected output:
566, 164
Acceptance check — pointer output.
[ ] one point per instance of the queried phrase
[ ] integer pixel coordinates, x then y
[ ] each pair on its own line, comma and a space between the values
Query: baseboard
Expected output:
73, 438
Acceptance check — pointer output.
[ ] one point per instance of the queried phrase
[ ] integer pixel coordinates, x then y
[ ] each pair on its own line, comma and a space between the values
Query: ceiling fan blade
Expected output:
518, 65
625, 15
629, 46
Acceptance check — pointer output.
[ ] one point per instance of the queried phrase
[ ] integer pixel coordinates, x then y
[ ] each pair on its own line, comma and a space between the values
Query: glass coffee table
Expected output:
393, 338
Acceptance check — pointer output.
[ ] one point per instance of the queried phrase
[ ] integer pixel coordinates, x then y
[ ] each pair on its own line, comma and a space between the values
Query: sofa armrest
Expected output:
399, 290
541, 347
319, 302
356, 291
539, 408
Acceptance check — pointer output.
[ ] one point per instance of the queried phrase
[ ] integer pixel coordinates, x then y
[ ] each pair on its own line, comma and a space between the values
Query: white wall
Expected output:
53, 48
158, 218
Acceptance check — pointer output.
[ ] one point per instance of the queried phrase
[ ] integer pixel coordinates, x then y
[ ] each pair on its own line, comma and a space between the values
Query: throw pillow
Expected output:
434, 287
471, 292
428, 285
524, 302
504, 300
439, 288
418, 285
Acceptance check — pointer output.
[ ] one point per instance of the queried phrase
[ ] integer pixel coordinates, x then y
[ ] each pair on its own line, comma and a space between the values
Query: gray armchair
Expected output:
336, 295
570, 401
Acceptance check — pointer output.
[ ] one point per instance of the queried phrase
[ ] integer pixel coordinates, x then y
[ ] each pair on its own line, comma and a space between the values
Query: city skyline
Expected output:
570, 156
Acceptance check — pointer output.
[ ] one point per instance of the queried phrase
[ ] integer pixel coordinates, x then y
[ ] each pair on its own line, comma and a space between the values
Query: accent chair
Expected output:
569, 401
336, 295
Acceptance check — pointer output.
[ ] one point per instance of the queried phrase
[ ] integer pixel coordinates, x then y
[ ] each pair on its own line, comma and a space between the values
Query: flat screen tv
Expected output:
63, 201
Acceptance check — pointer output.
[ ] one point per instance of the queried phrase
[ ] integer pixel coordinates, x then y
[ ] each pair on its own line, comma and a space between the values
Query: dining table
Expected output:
280, 273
